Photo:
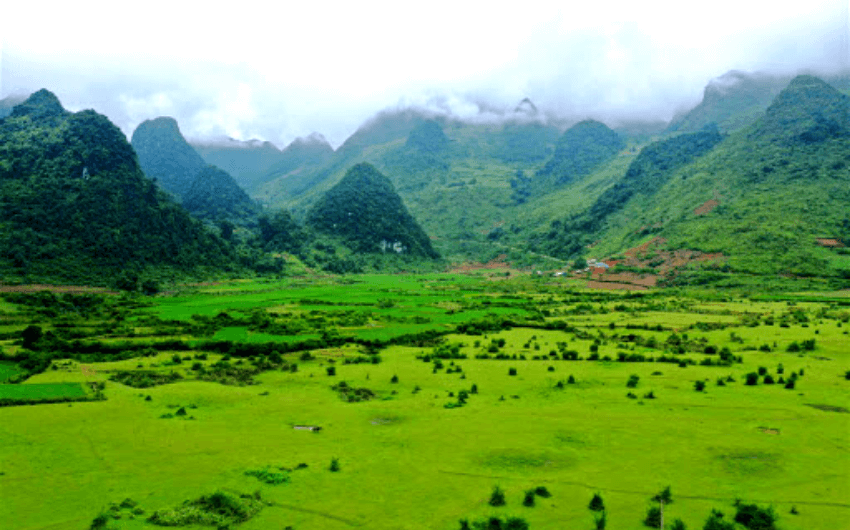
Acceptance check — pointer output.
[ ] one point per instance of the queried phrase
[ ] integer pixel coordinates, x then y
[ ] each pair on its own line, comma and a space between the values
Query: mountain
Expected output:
646, 175
76, 206
807, 111
304, 155
8, 103
737, 99
427, 138
762, 199
365, 212
214, 195
579, 150
166, 156
206, 191
247, 162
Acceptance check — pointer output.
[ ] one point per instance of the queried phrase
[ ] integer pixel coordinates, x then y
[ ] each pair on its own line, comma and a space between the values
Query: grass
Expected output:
407, 461
44, 391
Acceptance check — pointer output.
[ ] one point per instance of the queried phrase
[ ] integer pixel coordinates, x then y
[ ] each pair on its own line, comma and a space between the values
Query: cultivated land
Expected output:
215, 381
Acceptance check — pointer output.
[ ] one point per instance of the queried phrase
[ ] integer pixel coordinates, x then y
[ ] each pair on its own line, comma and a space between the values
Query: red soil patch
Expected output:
652, 243
828, 242
497, 263
706, 207
37, 287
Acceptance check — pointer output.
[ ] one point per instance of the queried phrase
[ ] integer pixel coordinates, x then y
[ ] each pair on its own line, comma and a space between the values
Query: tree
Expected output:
653, 517
31, 334
699, 386
596, 503
529, 498
664, 496
334, 467
580, 263
678, 524
497, 497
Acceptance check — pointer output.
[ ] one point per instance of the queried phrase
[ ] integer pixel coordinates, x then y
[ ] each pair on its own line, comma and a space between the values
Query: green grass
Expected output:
407, 461
44, 391
8, 370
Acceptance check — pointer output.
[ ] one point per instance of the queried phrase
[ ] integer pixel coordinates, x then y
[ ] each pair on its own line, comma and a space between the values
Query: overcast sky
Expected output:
276, 71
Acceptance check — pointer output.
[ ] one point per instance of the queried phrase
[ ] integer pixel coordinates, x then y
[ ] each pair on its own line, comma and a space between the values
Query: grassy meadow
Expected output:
453, 385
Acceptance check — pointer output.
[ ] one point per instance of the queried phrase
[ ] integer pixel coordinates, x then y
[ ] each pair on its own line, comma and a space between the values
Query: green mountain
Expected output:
214, 195
208, 192
75, 205
737, 99
647, 174
166, 156
763, 196
579, 150
364, 211
247, 162
8, 103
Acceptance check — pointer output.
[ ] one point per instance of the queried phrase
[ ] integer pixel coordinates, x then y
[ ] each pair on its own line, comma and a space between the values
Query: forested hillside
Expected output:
75, 205
208, 192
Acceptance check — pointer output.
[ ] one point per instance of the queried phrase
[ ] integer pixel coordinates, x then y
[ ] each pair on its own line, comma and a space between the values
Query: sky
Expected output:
277, 71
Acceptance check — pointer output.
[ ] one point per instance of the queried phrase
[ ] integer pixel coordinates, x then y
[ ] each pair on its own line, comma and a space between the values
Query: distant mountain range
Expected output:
757, 175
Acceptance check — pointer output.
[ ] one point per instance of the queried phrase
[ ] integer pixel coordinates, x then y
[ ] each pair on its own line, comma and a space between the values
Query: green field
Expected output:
44, 391
410, 457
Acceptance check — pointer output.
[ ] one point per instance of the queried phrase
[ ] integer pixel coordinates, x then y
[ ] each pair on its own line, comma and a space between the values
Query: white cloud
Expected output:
281, 70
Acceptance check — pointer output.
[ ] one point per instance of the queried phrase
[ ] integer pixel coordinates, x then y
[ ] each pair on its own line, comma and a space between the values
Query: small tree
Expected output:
331, 370
699, 386
394, 379
529, 499
752, 379
497, 498
664, 496
633, 381
334, 467
596, 503
511, 371
653, 517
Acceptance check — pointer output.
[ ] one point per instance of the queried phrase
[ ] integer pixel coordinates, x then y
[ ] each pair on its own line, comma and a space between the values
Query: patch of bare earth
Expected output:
497, 263
829, 242
649, 257
706, 207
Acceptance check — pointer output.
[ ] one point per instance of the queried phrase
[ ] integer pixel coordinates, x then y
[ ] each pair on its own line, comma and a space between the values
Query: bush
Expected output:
331, 370
596, 503
394, 379
768, 380
334, 467
762, 370
699, 386
541, 491
752, 379
653, 517
497, 497
529, 498
755, 518
511, 371
678, 524
715, 521
633, 381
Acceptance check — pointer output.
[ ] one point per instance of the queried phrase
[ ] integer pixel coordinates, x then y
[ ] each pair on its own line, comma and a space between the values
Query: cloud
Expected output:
264, 72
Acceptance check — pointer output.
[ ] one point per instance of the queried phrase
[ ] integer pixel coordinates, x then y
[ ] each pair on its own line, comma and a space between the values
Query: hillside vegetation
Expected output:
77, 207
